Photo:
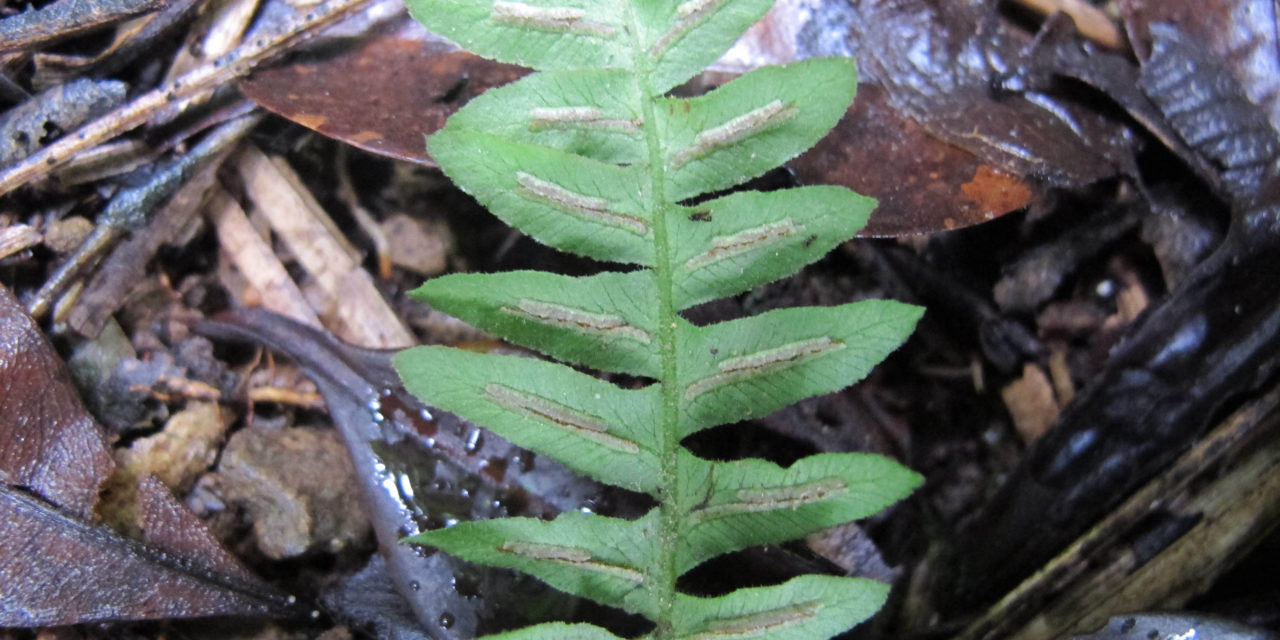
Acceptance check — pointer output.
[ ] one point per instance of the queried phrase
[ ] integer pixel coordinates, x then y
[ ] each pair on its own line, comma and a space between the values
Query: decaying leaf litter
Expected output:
1120, 205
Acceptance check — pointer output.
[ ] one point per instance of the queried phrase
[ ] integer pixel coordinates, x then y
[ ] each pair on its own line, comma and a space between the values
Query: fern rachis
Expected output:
590, 155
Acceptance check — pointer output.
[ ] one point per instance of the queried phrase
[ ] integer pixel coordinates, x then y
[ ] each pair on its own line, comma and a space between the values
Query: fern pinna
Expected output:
589, 155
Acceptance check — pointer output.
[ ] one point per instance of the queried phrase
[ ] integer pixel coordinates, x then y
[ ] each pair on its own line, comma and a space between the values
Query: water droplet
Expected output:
406, 486
291, 600
385, 392
425, 415
992, 435
474, 440
449, 522
413, 584
446, 620
524, 461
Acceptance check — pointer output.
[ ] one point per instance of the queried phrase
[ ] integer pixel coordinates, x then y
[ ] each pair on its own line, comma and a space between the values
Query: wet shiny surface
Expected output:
418, 468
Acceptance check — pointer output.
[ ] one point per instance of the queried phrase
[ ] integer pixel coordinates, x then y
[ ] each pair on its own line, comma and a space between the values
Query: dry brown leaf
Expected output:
58, 566
1031, 402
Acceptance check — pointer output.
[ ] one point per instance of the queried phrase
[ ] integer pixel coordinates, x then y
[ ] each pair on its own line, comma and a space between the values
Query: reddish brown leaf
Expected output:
927, 137
938, 62
57, 570
923, 183
383, 95
49, 444
172, 528
57, 565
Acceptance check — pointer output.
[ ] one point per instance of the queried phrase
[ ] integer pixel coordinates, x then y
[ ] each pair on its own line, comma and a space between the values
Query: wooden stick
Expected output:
203, 78
255, 259
17, 237
362, 314
1098, 575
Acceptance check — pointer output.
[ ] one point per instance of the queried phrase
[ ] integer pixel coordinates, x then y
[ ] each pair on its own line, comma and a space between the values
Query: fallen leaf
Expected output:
49, 445
59, 566
66, 18
1241, 33
57, 569
1175, 625
385, 94
1209, 109
26, 127
368, 598
923, 184
939, 61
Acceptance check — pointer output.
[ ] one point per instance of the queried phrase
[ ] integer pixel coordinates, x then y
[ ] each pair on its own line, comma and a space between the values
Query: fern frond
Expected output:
589, 155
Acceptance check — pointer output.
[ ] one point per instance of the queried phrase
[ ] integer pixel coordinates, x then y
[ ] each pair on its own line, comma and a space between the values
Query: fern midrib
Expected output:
669, 518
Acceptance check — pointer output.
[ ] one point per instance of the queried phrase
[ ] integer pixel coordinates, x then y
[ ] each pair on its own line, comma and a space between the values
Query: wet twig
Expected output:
132, 208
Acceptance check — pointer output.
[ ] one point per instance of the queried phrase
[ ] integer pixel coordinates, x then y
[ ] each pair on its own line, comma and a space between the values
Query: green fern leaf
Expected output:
594, 113
590, 156
751, 124
591, 426
800, 609
734, 505
557, 631
718, 246
584, 554
569, 35
601, 321
751, 367
567, 201
674, 39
